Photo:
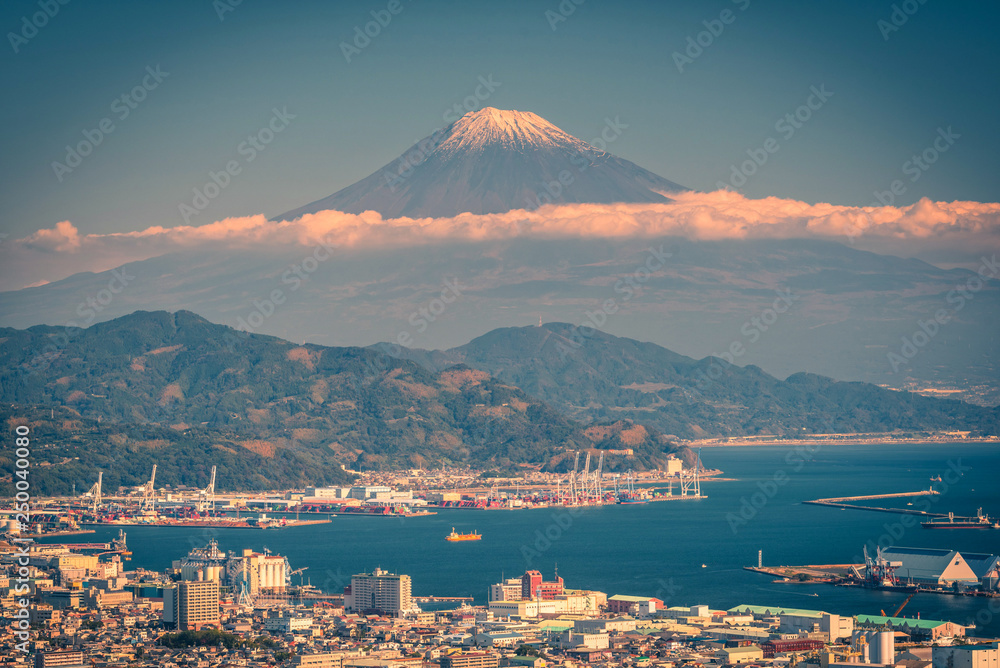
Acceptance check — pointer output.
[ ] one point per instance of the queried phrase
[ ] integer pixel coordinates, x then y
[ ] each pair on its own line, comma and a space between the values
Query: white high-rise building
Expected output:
388, 593
508, 590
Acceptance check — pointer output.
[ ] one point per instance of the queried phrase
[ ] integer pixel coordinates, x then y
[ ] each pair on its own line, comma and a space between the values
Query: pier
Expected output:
843, 502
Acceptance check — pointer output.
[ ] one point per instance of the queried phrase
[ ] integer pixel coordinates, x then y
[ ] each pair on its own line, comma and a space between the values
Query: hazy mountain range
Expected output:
177, 390
851, 308
593, 376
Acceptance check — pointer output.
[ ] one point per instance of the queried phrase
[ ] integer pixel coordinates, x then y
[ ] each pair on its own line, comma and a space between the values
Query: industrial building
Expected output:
795, 620
380, 591
771, 648
986, 567
966, 656
926, 566
917, 629
874, 645
247, 574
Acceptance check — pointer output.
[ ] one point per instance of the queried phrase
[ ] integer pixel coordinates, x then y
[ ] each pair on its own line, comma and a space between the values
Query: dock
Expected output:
54, 534
213, 524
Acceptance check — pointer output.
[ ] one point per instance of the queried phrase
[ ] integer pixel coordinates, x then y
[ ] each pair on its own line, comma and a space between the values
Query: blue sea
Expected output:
684, 552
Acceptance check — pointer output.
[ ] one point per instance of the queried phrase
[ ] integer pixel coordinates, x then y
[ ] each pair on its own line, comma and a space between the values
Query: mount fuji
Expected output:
491, 161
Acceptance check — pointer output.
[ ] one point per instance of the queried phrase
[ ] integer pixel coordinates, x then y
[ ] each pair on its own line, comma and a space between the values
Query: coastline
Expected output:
839, 439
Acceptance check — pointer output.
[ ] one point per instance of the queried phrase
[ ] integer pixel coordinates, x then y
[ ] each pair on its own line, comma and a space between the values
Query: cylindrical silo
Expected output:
886, 648
279, 578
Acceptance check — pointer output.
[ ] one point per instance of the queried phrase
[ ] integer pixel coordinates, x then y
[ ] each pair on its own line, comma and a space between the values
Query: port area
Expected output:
54, 534
828, 573
846, 575
339, 510
848, 502
857, 438
212, 522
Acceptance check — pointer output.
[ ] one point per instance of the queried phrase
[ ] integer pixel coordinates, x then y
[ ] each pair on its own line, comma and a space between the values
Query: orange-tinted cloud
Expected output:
918, 230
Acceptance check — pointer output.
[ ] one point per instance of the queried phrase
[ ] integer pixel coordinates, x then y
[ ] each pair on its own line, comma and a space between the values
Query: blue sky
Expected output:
225, 77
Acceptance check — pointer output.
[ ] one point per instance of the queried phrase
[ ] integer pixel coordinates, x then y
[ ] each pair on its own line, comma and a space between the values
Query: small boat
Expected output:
455, 536
704, 566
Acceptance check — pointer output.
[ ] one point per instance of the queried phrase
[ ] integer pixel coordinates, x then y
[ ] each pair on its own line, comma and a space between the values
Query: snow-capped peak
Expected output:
490, 161
514, 129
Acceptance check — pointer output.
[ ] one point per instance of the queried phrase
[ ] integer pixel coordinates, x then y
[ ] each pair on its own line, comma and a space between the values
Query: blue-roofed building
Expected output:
939, 568
986, 567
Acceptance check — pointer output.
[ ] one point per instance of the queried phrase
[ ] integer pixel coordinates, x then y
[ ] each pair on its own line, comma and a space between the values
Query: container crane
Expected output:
149, 493
208, 495
95, 493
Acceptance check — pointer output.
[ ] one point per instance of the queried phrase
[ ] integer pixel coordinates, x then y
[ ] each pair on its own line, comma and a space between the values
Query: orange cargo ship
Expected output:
453, 536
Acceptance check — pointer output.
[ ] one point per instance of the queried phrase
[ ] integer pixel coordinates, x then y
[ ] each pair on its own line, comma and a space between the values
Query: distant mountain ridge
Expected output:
175, 389
595, 376
491, 161
853, 306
